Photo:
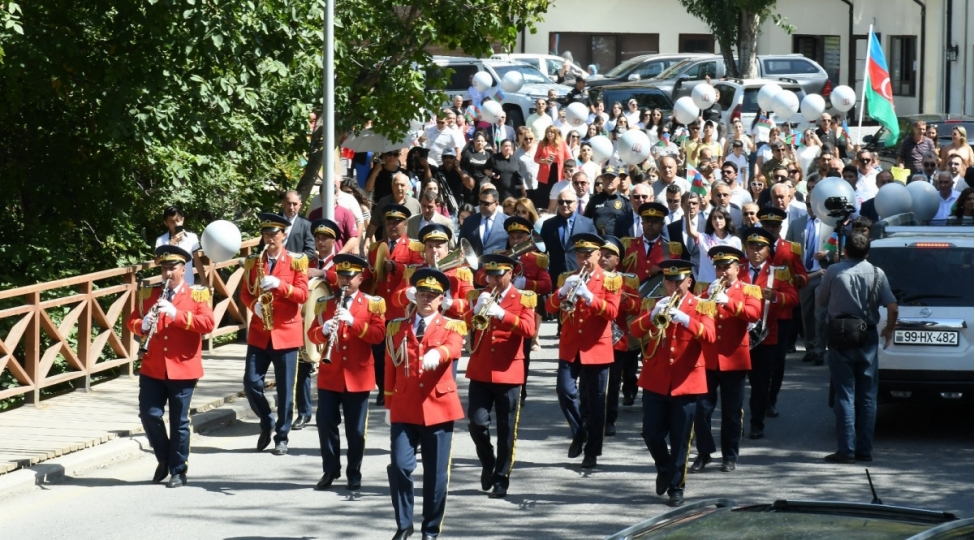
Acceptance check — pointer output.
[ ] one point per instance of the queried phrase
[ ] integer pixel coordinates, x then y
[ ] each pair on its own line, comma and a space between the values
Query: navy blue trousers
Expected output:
173, 448
760, 379
256, 365
303, 389
436, 440
669, 417
593, 380
331, 407
506, 400
623, 371
731, 385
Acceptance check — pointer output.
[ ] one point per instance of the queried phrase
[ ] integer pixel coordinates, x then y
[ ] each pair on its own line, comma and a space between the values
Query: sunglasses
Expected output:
565, 203
639, 197
756, 184
793, 171
780, 177
579, 183
486, 203
748, 213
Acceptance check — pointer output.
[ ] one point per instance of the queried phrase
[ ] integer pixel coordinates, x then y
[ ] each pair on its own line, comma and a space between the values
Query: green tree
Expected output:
736, 26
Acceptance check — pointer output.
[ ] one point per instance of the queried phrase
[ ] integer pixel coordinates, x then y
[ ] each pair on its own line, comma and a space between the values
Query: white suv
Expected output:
739, 99
930, 274
548, 64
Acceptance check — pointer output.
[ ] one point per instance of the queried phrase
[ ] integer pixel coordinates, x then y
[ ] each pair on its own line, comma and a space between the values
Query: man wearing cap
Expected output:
778, 161
606, 207
778, 294
644, 255
422, 402
285, 284
345, 379
496, 368
727, 359
586, 344
173, 360
625, 360
435, 239
401, 252
673, 373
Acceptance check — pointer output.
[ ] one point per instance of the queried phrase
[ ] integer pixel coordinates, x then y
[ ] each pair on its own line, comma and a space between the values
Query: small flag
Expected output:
790, 139
698, 184
499, 94
765, 123
665, 140
471, 113
845, 135
831, 243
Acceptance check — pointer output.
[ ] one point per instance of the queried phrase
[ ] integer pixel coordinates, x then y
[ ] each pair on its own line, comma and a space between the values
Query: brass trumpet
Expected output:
662, 319
720, 288
569, 302
480, 321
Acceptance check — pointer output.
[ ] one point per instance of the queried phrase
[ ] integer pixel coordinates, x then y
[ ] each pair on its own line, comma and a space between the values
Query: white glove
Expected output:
388, 421
657, 309
496, 311
146, 324
167, 307
567, 285
258, 309
679, 316
585, 293
447, 301
481, 299
411, 294
431, 360
269, 282
713, 286
344, 315
519, 282
721, 298
329, 327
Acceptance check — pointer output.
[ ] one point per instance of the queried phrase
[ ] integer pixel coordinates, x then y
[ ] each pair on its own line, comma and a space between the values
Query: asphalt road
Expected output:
923, 458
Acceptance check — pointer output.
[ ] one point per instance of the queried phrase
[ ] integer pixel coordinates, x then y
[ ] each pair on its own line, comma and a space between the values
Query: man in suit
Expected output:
676, 236
485, 231
298, 232
428, 216
557, 230
500, 132
807, 233
721, 198
869, 207
630, 224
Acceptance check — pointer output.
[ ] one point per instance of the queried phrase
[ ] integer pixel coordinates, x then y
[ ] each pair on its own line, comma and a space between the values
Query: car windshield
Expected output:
624, 67
927, 276
646, 98
530, 74
675, 69
749, 103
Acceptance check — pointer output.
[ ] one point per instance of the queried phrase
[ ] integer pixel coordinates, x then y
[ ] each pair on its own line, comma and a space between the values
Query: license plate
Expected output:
926, 337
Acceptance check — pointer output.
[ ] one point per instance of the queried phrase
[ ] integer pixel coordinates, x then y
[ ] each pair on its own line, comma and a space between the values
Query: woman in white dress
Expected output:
719, 231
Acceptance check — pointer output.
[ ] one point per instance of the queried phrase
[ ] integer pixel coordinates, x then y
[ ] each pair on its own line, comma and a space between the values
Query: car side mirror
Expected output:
633, 77
867, 139
684, 77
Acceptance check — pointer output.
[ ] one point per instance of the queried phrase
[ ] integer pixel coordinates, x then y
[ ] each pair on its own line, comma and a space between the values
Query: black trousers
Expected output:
669, 418
760, 379
505, 399
786, 327
379, 354
622, 371
526, 348
731, 385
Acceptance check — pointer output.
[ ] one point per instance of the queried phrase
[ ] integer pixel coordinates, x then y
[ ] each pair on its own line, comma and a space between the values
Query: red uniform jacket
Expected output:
534, 270
587, 330
175, 351
786, 296
730, 351
414, 396
498, 356
461, 283
789, 254
636, 261
676, 366
288, 331
404, 253
629, 308
352, 368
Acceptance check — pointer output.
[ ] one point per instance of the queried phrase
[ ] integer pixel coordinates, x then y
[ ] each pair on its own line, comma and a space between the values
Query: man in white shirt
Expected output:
568, 173
740, 160
587, 165
176, 236
441, 136
539, 120
667, 175
866, 186
729, 176
948, 196
672, 198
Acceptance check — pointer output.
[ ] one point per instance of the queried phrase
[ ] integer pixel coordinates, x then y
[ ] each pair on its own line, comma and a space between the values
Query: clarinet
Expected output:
154, 314
333, 337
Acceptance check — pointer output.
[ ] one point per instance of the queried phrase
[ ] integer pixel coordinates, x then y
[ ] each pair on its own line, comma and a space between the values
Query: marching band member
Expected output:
422, 402
502, 319
588, 300
276, 285
400, 252
173, 360
435, 239
727, 360
346, 375
673, 374
777, 294
609, 259
326, 234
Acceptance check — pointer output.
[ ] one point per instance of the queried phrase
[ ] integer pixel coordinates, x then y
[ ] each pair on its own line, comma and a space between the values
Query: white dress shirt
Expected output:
944, 205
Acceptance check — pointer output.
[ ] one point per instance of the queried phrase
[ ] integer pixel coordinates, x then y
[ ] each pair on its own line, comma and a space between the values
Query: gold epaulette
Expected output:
528, 299
377, 305
752, 290
416, 245
250, 261
796, 248
632, 281
562, 277
144, 293
612, 281
394, 325
200, 293
648, 304
322, 304
456, 326
408, 271
464, 274
627, 242
782, 273
629, 260
675, 249
299, 262
707, 308
473, 294
541, 259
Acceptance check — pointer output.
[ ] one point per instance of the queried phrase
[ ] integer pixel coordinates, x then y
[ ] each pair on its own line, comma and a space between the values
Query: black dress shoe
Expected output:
325, 481
772, 412
499, 491
300, 423
628, 399
808, 357
818, 361
588, 462
837, 458
701, 462
264, 439
575, 449
429, 537
381, 401
403, 534
486, 474
354, 485
162, 470
610, 430
280, 449
662, 483
177, 480
676, 499
756, 434
863, 457
728, 466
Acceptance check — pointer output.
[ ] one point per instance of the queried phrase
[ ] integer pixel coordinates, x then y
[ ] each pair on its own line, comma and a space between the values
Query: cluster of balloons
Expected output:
511, 82
920, 198
633, 147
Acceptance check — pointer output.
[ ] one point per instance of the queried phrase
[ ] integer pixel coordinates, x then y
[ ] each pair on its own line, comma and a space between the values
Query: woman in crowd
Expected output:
615, 113
738, 134
502, 168
964, 210
434, 186
475, 160
810, 148
550, 155
756, 186
644, 119
719, 231
655, 125
573, 140
959, 145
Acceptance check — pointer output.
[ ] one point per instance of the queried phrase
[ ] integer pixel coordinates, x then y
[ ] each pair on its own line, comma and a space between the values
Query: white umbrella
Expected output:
368, 140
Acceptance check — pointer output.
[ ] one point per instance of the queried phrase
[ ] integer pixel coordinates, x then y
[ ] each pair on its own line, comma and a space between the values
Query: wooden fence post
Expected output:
84, 334
32, 346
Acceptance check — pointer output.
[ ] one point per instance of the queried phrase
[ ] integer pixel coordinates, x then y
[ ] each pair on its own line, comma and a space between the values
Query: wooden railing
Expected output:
82, 321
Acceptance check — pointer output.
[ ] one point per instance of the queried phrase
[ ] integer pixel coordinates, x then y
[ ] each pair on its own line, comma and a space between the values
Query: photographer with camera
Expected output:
177, 236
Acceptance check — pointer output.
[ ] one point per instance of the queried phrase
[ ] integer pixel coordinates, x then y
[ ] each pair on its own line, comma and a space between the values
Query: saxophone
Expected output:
333, 337
266, 299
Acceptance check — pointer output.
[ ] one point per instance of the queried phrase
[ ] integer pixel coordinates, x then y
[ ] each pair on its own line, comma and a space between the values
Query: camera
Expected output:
839, 207
179, 229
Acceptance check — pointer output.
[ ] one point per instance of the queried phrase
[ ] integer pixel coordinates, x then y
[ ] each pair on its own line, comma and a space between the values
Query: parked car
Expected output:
648, 97
518, 105
638, 68
739, 99
548, 64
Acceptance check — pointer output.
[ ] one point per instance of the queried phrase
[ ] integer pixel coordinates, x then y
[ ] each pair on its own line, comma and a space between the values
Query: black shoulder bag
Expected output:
848, 331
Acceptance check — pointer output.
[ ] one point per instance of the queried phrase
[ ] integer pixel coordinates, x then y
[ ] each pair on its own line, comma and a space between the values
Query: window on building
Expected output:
606, 51
695, 43
824, 50
902, 64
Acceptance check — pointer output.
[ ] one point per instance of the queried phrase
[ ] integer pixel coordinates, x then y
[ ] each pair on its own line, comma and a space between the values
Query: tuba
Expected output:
462, 256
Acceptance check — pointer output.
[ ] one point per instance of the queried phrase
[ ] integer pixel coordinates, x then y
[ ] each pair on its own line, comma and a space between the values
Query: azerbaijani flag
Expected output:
831, 243
471, 113
765, 123
698, 184
665, 140
880, 101
845, 134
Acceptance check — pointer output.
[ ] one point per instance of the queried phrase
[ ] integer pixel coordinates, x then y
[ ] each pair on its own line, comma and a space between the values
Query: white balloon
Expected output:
490, 111
482, 81
766, 94
703, 95
512, 81
785, 105
576, 114
925, 200
843, 98
634, 147
892, 199
812, 107
220, 241
832, 186
685, 110
602, 148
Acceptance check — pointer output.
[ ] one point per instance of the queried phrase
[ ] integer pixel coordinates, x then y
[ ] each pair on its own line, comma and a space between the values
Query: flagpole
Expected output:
866, 81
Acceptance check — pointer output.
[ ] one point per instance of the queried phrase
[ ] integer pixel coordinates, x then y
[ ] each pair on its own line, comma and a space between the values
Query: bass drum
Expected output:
317, 288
